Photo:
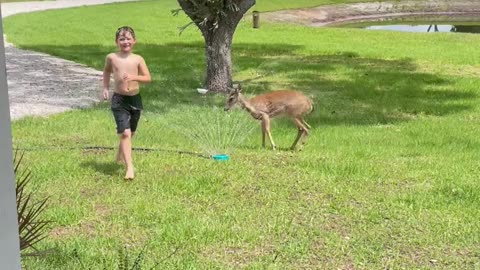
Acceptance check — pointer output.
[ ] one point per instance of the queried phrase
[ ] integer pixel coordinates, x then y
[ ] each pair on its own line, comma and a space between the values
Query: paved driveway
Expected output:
40, 84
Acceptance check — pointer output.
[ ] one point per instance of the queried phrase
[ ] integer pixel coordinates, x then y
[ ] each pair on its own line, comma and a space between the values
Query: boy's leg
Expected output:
125, 148
122, 122
124, 153
119, 155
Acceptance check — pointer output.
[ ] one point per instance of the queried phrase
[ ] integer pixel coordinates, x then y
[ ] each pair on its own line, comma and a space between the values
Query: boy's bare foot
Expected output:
129, 175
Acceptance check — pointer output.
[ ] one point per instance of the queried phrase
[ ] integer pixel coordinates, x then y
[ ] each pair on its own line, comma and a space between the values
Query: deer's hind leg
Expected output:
302, 132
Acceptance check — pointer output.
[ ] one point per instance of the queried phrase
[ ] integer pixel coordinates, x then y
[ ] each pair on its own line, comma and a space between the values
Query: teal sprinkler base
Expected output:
220, 157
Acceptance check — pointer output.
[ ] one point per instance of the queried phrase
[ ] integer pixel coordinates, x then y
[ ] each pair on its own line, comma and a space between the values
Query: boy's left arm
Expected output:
143, 72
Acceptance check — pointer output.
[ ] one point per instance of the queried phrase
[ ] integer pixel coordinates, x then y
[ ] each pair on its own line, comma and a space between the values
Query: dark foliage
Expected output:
31, 227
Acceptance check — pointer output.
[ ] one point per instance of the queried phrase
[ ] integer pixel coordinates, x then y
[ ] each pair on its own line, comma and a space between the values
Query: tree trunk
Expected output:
218, 59
218, 34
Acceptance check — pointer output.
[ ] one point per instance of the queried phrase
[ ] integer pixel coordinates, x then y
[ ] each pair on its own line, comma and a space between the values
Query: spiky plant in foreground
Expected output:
124, 262
31, 227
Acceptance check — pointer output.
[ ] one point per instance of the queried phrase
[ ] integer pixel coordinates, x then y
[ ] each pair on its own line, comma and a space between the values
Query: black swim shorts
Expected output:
126, 110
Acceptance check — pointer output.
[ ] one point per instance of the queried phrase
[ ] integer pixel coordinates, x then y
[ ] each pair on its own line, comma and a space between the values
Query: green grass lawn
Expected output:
388, 178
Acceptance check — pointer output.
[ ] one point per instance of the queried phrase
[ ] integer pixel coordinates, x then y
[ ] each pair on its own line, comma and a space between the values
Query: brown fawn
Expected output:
263, 107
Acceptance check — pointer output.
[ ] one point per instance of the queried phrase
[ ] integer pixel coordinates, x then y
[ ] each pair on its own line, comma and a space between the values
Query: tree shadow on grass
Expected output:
346, 88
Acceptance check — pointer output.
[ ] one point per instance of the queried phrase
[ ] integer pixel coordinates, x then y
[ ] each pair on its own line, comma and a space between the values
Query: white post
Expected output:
9, 241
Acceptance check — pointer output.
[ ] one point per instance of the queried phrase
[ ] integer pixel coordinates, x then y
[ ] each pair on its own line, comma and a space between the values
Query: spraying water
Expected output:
210, 128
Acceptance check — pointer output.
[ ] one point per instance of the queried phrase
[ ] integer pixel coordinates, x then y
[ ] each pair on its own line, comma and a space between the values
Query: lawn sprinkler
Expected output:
220, 157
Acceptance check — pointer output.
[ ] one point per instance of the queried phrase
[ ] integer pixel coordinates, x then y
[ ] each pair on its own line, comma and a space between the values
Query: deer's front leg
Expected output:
263, 133
266, 129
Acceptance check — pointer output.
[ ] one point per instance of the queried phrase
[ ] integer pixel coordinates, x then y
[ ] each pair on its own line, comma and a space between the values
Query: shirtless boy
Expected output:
128, 71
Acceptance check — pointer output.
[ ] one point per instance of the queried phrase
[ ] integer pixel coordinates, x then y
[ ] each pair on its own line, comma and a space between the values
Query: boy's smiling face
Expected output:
125, 42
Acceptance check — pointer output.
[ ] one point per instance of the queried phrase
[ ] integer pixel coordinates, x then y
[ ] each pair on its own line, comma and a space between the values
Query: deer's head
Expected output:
232, 97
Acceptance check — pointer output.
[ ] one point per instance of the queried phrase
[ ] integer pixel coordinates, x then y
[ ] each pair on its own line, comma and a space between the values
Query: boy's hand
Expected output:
127, 77
105, 94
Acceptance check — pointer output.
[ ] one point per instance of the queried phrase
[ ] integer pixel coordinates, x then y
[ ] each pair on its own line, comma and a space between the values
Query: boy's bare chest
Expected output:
124, 64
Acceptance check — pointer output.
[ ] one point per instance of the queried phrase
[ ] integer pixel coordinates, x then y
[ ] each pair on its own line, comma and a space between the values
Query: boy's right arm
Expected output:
107, 71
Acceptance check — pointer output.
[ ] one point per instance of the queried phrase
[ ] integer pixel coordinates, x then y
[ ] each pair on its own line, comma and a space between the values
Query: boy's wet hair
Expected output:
124, 29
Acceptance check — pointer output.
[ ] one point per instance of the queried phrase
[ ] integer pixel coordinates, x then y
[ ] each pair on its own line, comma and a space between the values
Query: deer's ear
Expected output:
233, 89
236, 88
